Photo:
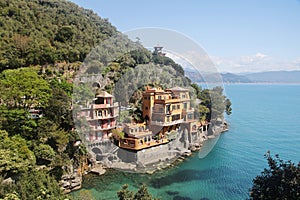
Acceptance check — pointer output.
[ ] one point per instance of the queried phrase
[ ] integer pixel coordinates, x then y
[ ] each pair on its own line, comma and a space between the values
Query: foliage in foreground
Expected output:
280, 181
34, 185
141, 194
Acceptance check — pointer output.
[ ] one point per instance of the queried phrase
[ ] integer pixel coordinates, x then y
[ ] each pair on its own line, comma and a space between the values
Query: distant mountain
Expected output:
234, 78
258, 77
275, 77
226, 77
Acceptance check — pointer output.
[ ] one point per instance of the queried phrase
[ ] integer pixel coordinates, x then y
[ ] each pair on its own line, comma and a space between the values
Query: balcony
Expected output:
103, 128
96, 106
179, 121
138, 144
104, 117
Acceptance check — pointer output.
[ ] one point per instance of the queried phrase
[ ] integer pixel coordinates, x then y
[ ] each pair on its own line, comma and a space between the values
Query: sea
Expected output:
264, 118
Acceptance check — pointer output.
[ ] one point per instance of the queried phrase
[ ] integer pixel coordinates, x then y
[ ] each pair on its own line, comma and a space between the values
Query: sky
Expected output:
239, 36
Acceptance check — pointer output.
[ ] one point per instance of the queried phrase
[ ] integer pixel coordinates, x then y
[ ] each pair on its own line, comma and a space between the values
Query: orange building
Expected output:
165, 110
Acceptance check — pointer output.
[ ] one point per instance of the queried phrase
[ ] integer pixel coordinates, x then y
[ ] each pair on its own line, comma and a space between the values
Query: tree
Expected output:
228, 108
141, 194
124, 193
59, 109
15, 156
23, 88
17, 121
35, 185
44, 152
216, 102
280, 181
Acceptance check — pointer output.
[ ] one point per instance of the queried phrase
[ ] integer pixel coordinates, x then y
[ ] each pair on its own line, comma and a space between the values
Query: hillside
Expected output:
41, 42
38, 32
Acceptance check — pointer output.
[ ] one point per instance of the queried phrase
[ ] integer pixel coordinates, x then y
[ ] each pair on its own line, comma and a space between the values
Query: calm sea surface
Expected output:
265, 117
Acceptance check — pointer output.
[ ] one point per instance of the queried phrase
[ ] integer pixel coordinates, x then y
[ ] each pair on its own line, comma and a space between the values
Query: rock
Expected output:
65, 184
98, 170
75, 184
71, 182
150, 172
8, 181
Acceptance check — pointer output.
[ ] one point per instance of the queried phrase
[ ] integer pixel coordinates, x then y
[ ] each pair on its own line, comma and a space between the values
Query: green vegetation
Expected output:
22, 88
34, 185
29, 141
37, 32
42, 46
213, 103
141, 194
280, 181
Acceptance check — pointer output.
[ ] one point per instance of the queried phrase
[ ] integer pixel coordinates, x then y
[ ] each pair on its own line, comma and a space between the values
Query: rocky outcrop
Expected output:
71, 182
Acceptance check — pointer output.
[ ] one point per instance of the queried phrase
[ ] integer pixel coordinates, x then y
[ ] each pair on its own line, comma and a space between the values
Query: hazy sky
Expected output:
240, 36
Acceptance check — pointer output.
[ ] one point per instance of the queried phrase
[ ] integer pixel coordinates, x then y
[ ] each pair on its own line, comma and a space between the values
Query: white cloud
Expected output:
254, 63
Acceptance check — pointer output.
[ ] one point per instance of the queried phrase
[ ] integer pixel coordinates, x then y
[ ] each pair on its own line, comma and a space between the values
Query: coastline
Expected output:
99, 169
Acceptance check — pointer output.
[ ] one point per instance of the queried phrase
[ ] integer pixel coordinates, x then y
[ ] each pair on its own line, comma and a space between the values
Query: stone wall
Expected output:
112, 156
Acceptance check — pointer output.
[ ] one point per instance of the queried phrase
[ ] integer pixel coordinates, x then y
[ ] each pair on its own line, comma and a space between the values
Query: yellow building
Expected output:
165, 110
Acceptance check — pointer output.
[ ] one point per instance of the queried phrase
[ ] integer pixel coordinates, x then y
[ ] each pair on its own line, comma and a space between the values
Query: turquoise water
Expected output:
265, 117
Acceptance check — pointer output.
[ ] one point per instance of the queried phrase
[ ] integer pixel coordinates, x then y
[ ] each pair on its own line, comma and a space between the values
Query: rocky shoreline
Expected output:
73, 181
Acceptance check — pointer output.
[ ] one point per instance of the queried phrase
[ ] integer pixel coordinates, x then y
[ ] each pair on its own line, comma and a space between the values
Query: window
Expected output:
146, 108
173, 107
159, 97
185, 105
178, 107
99, 100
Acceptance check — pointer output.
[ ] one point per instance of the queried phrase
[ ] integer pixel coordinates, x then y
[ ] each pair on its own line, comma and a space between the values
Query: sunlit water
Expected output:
265, 117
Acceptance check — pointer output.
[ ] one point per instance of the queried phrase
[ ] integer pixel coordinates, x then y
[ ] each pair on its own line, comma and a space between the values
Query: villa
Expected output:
101, 116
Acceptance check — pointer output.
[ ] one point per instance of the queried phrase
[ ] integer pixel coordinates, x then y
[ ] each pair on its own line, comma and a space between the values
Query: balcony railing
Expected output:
137, 144
95, 106
104, 116
102, 128
167, 123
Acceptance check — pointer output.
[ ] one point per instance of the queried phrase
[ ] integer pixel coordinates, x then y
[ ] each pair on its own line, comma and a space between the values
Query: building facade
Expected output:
166, 110
101, 116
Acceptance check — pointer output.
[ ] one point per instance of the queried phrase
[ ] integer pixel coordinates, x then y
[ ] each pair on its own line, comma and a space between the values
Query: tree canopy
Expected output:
23, 88
15, 155
37, 32
281, 180
141, 194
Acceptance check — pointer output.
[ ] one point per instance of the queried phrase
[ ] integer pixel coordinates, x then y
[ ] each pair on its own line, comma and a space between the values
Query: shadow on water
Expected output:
181, 176
181, 198
172, 193
212, 175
